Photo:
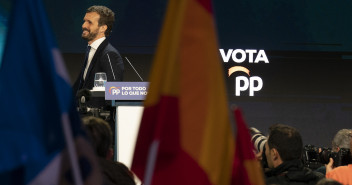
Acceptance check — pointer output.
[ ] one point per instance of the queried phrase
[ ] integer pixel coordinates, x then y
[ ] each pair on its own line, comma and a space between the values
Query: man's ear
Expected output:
103, 28
274, 154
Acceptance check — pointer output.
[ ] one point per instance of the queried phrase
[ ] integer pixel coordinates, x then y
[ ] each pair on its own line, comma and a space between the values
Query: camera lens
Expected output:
258, 139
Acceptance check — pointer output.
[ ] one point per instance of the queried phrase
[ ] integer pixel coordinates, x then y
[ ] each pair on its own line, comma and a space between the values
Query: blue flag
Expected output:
38, 121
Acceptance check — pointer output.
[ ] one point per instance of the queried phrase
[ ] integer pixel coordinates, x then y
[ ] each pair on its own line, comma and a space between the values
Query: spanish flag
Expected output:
246, 169
185, 135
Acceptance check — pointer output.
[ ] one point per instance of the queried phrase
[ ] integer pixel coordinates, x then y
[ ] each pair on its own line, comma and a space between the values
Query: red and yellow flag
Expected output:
246, 168
185, 136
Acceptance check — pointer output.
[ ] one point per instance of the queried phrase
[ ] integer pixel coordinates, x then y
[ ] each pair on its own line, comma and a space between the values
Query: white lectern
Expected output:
128, 98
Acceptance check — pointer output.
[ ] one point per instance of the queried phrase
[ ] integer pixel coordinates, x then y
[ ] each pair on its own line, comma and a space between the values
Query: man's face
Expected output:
268, 156
90, 27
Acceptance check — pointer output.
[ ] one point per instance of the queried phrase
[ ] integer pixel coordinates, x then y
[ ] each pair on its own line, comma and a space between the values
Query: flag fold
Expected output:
185, 135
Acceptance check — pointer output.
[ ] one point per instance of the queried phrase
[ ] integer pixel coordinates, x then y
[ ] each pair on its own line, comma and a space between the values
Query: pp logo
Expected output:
254, 83
114, 90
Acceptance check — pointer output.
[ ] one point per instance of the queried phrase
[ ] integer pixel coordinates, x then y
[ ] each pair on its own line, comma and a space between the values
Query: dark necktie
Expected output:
84, 68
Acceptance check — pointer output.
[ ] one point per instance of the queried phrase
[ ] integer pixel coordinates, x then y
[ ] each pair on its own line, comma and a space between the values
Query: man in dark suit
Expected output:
101, 56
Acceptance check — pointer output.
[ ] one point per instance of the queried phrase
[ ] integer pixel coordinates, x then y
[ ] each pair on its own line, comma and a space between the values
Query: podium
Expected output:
128, 99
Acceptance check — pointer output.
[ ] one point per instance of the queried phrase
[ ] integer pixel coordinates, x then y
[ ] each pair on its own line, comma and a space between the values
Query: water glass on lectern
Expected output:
100, 79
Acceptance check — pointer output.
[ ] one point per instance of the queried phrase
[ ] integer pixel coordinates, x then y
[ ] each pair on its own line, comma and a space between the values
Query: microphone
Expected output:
134, 69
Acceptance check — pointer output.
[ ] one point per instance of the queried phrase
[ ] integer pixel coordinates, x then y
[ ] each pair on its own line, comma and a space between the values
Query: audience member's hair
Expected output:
326, 181
286, 140
100, 133
113, 172
341, 139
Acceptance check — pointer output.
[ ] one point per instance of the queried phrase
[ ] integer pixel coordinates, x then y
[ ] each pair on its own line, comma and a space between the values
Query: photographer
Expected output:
341, 174
339, 150
283, 151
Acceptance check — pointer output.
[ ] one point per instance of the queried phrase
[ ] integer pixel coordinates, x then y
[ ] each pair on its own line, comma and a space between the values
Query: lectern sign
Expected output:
126, 90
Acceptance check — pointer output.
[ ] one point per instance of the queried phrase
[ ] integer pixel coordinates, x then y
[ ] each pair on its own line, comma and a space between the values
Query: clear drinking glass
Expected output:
100, 79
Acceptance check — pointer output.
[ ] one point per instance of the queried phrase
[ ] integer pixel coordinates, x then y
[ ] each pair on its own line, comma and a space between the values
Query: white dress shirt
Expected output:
94, 46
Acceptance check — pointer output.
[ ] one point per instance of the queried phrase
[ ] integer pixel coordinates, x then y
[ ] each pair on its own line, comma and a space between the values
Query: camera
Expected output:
314, 157
259, 140
341, 158
311, 157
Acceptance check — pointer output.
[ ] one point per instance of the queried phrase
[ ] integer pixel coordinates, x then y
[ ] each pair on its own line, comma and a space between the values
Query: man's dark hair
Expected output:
100, 133
107, 17
286, 140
